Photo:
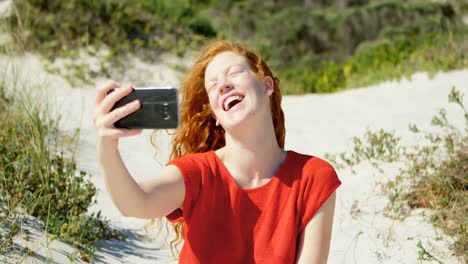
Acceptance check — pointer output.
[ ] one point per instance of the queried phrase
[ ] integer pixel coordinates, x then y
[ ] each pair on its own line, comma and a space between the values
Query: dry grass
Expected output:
434, 175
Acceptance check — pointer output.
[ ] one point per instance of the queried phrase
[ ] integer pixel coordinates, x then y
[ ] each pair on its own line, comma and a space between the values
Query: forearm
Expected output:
125, 192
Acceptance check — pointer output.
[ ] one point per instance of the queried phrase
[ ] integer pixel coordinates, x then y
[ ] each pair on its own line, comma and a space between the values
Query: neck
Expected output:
253, 152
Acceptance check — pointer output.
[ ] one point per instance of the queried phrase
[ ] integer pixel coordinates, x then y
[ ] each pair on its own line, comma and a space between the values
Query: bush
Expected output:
55, 27
329, 49
328, 77
37, 177
434, 175
382, 60
322, 47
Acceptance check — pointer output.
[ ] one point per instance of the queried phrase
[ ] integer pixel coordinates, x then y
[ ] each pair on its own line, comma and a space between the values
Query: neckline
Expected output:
227, 174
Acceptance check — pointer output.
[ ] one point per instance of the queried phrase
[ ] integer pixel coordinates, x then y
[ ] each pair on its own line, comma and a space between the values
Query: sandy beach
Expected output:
315, 124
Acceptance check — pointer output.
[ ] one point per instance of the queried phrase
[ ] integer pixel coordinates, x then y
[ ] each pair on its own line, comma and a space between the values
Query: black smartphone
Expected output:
159, 109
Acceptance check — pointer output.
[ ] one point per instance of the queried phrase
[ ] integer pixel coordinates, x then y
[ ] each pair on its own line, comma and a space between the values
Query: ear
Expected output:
214, 116
216, 119
269, 85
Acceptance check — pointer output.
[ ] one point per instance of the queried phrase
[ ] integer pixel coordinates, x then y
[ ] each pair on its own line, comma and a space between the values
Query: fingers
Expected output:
109, 101
104, 118
107, 120
105, 99
103, 90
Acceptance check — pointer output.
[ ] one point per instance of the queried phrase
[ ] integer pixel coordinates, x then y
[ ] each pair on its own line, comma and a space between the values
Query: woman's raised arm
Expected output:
154, 198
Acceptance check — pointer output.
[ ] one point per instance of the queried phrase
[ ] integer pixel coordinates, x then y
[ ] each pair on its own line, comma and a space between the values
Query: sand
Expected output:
316, 124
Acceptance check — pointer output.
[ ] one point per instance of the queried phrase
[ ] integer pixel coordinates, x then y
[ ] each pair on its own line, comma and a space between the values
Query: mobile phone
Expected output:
159, 109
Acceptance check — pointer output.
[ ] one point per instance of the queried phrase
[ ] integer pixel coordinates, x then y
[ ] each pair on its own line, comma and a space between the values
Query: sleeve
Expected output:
318, 188
190, 167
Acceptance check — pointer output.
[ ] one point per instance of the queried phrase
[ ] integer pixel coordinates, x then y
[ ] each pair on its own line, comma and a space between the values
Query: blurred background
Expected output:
315, 46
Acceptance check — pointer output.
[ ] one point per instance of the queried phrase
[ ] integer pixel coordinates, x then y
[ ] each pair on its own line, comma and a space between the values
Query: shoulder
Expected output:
194, 169
312, 172
310, 164
192, 166
194, 156
317, 181
192, 159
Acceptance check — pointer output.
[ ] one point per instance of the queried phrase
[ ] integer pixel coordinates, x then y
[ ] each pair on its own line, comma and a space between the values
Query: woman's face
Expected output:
234, 91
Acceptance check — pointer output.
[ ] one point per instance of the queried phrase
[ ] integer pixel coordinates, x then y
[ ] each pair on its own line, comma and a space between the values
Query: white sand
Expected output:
319, 124
316, 124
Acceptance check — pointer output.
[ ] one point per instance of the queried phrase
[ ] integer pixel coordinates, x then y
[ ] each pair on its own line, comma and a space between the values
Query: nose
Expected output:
224, 85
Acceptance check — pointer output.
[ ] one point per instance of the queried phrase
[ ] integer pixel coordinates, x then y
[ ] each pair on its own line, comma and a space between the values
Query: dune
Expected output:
315, 124
319, 124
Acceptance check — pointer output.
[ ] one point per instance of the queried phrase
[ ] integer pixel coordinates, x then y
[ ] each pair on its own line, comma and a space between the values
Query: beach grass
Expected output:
39, 176
434, 174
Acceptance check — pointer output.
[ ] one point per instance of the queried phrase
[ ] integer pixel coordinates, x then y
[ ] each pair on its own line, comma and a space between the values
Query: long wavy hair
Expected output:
198, 131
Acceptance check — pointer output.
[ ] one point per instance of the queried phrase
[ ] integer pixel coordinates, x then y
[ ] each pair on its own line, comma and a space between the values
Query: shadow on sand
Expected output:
135, 247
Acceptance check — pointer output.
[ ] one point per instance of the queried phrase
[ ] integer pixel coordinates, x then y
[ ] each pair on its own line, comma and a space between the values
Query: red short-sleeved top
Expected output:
227, 224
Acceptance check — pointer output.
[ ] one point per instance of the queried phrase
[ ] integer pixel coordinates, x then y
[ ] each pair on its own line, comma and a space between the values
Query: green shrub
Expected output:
382, 60
55, 27
38, 177
329, 49
314, 47
327, 78
202, 26
374, 147
434, 175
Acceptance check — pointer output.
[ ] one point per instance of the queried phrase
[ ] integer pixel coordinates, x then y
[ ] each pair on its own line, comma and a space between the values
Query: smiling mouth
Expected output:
232, 101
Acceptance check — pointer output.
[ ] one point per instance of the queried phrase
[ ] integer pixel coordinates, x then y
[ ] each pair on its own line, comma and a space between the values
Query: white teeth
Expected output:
230, 100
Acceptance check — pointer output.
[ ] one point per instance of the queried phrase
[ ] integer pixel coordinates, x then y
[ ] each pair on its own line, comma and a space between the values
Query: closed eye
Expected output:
235, 71
210, 85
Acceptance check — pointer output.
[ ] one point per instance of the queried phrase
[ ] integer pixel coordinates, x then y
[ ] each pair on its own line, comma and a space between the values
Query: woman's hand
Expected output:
104, 118
157, 196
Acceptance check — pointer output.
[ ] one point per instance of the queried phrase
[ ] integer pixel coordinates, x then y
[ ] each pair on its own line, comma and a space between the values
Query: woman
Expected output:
240, 197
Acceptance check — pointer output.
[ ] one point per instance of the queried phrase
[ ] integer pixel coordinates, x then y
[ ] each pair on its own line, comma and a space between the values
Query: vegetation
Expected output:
39, 177
111, 30
321, 50
315, 46
53, 27
434, 175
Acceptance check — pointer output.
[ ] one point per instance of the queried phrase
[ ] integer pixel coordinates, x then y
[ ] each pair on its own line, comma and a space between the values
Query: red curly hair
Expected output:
198, 131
